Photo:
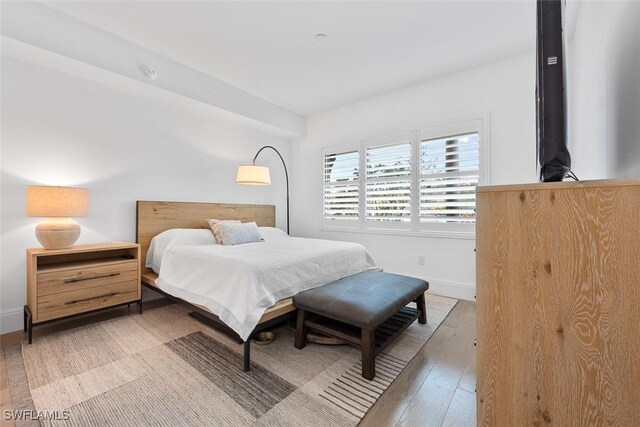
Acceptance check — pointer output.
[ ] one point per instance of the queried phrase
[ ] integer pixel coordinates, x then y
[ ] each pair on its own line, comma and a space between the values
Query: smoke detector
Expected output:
320, 38
150, 73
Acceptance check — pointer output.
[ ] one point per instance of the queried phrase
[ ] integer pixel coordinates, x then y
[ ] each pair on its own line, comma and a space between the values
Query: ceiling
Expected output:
267, 48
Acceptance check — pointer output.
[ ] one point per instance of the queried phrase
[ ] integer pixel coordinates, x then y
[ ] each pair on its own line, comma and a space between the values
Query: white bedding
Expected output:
238, 283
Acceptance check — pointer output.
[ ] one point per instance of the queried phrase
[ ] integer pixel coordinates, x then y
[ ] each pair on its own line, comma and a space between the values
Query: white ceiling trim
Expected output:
41, 57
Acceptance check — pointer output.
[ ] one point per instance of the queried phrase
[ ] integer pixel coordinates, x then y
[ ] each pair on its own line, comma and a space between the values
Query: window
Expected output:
341, 188
388, 180
422, 181
449, 175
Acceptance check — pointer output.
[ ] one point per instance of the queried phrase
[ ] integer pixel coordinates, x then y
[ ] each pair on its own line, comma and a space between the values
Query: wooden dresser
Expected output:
67, 282
558, 304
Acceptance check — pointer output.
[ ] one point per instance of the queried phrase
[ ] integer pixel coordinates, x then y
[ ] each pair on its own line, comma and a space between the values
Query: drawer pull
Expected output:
92, 298
96, 276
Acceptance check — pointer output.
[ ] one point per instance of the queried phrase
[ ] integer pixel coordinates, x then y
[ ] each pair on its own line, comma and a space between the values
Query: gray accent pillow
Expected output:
229, 233
213, 224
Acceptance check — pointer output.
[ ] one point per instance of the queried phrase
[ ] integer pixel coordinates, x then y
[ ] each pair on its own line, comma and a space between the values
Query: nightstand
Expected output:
63, 283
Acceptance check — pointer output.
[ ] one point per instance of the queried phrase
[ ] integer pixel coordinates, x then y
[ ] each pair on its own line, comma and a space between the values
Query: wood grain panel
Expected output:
79, 249
66, 303
32, 288
558, 290
155, 217
54, 272
281, 307
71, 279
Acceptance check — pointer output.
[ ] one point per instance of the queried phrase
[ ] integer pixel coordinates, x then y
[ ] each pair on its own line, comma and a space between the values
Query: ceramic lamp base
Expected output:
59, 233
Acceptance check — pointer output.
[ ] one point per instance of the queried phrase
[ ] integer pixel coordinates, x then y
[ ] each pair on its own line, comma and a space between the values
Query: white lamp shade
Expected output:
253, 175
57, 202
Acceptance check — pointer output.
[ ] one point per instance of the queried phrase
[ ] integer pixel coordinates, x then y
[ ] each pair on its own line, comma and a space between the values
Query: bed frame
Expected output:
152, 218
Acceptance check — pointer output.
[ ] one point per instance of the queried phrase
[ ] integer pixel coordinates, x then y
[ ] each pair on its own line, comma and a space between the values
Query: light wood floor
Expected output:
437, 388
5, 396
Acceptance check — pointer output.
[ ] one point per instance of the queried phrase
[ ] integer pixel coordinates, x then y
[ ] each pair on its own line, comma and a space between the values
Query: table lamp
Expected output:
58, 205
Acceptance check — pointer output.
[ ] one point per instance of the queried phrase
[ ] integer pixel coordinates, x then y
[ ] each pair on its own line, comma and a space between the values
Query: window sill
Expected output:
442, 234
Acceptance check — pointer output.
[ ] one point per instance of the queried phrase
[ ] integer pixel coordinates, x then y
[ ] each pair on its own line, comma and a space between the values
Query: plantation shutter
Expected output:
449, 175
341, 188
388, 183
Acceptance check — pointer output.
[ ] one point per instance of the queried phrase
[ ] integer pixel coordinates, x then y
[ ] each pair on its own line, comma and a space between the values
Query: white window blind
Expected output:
388, 183
421, 181
449, 175
341, 187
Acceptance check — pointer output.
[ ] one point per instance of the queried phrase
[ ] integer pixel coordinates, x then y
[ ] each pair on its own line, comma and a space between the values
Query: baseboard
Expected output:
466, 291
11, 320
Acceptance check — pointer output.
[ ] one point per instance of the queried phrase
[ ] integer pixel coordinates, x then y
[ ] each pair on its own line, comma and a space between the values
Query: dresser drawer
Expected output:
78, 301
86, 277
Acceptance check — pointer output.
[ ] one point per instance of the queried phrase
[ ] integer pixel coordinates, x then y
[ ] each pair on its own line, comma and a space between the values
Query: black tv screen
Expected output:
553, 154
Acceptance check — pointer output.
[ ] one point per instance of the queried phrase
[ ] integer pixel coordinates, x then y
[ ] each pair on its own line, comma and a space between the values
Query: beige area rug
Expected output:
165, 368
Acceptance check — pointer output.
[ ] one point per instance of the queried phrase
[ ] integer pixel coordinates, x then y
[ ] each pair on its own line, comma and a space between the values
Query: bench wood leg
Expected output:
369, 353
301, 329
422, 306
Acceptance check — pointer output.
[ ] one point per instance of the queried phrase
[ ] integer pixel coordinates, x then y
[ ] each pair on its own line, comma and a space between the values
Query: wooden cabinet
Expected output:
558, 303
68, 282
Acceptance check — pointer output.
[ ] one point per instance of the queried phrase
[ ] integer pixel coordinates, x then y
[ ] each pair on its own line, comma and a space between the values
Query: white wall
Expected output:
58, 129
605, 87
503, 89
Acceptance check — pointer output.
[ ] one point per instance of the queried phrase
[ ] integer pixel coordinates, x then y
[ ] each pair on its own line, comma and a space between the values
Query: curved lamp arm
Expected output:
286, 174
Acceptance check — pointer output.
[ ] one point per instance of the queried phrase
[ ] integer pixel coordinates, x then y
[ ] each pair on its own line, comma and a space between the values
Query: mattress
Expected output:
238, 283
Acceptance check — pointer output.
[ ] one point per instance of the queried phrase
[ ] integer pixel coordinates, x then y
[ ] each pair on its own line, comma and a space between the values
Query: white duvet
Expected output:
238, 283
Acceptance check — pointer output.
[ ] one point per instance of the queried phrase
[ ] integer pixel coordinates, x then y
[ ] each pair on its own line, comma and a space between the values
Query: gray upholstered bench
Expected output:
367, 309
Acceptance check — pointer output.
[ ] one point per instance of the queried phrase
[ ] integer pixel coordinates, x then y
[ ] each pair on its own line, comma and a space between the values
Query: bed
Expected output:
240, 289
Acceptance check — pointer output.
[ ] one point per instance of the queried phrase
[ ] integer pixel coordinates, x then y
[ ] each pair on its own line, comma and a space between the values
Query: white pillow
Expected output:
176, 237
229, 233
272, 233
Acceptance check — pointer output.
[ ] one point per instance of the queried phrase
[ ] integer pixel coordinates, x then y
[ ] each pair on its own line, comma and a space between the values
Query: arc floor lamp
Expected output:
259, 175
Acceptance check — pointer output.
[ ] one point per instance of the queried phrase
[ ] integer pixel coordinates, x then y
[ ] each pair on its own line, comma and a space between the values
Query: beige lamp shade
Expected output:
57, 202
253, 175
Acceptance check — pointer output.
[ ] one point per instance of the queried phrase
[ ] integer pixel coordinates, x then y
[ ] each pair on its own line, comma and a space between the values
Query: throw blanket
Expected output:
238, 283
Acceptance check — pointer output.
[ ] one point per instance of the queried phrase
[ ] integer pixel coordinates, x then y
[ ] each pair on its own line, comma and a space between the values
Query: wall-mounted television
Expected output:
551, 94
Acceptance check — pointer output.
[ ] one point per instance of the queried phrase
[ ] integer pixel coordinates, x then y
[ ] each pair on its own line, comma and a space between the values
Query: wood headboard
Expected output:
152, 218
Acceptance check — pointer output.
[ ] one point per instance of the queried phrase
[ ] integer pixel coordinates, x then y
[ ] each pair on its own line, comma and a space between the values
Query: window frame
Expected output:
341, 149
387, 141
441, 131
478, 123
